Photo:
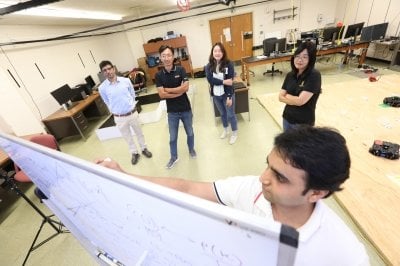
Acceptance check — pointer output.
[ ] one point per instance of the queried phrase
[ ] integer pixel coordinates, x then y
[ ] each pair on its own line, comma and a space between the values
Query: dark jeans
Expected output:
286, 125
173, 125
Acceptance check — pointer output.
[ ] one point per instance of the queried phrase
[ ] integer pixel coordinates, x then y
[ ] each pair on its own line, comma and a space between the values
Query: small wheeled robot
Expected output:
393, 101
385, 149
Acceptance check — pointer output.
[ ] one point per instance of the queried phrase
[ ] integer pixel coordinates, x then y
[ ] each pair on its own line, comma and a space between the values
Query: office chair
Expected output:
271, 45
20, 176
138, 79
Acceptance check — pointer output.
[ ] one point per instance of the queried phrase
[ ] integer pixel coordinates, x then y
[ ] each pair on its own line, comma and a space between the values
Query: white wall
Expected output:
310, 10
15, 115
197, 31
59, 63
371, 12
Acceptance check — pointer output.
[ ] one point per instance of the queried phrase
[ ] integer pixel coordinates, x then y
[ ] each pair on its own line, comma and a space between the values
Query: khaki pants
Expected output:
124, 124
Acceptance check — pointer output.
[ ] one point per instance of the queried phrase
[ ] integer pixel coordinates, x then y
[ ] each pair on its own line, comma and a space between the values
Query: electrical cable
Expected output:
81, 33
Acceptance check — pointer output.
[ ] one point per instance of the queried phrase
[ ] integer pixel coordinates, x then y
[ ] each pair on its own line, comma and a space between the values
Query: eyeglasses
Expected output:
107, 69
166, 56
302, 57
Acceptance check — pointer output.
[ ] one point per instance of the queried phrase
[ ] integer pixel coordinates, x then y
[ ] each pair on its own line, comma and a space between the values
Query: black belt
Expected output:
129, 113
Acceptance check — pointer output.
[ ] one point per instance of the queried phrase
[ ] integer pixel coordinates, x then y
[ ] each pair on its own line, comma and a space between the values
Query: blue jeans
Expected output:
173, 125
286, 125
227, 113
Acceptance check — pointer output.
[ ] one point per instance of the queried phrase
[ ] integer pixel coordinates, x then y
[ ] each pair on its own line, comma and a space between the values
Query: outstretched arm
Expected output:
203, 190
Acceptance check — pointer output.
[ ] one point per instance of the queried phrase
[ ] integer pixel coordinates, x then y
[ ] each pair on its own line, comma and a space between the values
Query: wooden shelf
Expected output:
286, 10
151, 48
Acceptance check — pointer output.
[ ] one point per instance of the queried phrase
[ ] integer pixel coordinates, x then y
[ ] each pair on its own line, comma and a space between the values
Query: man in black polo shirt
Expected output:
172, 85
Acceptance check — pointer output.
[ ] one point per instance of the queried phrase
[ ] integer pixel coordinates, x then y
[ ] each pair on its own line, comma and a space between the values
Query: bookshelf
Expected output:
179, 44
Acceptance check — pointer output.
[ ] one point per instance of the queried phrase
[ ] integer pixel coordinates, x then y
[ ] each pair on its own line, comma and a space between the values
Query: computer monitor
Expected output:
80, 92
379, 31
280, 45
331, 34
374, 32
62, 94
269, 46
90, 84
354, 30
308, 34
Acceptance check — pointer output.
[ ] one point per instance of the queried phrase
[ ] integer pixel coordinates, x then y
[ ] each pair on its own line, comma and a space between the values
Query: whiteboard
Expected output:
134, 222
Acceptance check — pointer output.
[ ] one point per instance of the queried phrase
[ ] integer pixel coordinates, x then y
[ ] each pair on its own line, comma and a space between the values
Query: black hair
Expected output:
320, 151
312, 57
105, 63
224, 60
165, 47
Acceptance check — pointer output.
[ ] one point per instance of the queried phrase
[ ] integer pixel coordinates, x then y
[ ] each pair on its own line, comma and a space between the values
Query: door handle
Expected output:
241, 35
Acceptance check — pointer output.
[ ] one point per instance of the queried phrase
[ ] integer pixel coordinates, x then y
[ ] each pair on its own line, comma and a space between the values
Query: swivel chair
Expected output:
20, 176
271, 46
138, 79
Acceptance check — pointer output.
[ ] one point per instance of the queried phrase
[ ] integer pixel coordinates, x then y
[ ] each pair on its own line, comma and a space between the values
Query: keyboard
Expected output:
326, 43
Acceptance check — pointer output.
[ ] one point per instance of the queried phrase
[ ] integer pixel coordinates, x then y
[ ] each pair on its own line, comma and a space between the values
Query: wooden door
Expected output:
242, 36
220, 32
235, 33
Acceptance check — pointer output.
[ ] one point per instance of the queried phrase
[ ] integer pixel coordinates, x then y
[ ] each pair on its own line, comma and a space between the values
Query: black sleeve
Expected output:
182, 73
209, 74
285, 82
231, 75
313, 82
159, 82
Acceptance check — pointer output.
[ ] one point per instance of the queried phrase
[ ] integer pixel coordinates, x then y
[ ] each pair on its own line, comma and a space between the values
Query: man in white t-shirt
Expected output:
306, 165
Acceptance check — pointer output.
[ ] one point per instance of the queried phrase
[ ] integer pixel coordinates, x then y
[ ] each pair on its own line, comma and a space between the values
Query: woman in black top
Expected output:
301, 88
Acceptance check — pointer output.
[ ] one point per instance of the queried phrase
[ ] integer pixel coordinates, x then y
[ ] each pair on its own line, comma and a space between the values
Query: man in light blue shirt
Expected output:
119, 96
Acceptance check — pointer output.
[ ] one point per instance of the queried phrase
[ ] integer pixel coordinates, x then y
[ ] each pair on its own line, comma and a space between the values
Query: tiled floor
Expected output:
215, 159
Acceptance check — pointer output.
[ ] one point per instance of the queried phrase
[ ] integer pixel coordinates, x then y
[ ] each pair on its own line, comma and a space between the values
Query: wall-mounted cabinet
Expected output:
181, 53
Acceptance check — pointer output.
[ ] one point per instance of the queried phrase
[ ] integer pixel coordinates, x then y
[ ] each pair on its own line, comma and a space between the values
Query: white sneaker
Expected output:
233, 139
224, 134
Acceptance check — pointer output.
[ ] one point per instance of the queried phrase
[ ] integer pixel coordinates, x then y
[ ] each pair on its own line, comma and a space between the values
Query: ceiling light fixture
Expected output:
68, 13
14, 6
61, 12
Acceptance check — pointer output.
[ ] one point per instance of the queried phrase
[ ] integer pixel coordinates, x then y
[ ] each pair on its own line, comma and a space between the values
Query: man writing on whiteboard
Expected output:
306, 165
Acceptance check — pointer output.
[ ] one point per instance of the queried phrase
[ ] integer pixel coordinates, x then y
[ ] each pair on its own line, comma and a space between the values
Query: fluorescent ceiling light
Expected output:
64, 13
68, 13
